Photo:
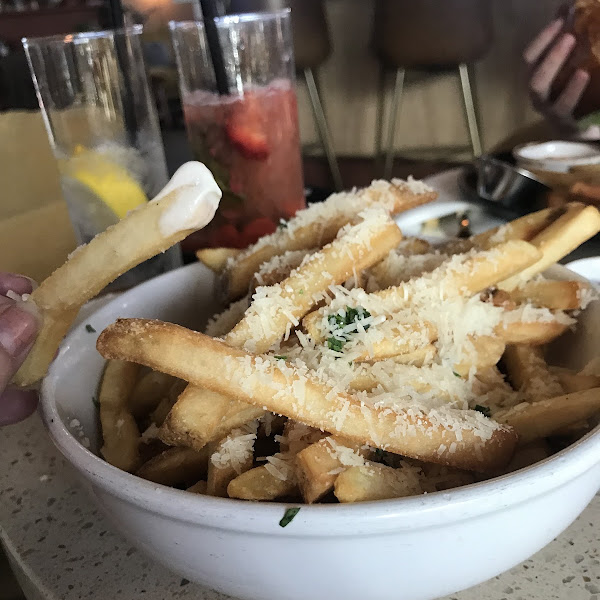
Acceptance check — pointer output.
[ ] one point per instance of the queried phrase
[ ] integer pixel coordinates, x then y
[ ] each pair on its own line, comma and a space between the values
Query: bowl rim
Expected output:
592, 157
317, 520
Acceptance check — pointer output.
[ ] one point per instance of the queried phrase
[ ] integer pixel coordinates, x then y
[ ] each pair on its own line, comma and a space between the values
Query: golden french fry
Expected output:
533, 421
231, 457
436, 478
473, 443
159, 414
570, 230
533, 333
529, 373
225, 321
576, 382
525, 228
216, 258
279, 268
201, 416
475, 272
280, 307
480, 352
555, 295
148, 392
261, 484
142, 234
198, 488
319, 224
318, 465
120, 433
175, 466
376, 482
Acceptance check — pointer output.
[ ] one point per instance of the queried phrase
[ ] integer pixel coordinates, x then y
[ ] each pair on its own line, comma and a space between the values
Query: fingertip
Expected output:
17, 405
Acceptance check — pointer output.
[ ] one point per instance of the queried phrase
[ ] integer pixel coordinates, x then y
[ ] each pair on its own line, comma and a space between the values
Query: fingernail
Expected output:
568, 39
16, 405
17, 330
20, 284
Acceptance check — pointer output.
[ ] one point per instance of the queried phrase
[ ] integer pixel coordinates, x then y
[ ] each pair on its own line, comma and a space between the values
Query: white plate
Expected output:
556, 156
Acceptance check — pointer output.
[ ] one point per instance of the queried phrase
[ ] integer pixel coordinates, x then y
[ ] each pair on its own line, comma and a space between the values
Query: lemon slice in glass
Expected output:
98, 191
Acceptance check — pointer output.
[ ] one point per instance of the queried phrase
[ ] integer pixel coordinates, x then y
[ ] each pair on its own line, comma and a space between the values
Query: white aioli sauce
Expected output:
197, 200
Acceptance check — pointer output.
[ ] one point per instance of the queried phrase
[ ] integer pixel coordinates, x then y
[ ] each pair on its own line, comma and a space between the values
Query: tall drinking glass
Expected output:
103, 129
248, 137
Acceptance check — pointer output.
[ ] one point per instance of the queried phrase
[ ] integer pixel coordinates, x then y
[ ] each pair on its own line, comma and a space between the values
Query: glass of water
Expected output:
103, 130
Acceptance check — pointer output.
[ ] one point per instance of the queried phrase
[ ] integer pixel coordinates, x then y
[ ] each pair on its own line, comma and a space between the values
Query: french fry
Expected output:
175, 466
478, 271
555, 295
273, 385
225, 321
376, 482
436, 478
318, 465
231, 457
533, 421
575, 226
575, 382
529, 373
533, 333
260, 484
201, 416
142, 234
279, 268
148, 392
198, 488
159, 414
480, 353
120, 433
216, 258
525, 228
272, 315
319, 224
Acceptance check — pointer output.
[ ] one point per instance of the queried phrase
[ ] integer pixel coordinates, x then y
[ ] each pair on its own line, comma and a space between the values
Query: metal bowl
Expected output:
502, 188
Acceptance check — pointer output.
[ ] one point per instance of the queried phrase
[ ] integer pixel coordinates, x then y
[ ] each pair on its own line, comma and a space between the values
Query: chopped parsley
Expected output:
288, 516
282, 224
335, 344
379, 454
456, 374
486, 411
337, 321
280, 357
89, 328
301, 291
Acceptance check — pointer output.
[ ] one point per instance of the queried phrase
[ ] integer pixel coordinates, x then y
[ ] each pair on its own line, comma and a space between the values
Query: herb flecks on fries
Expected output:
356, 365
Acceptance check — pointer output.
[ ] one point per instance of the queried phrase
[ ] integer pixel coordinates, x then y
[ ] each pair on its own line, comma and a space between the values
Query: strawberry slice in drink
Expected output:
246, 129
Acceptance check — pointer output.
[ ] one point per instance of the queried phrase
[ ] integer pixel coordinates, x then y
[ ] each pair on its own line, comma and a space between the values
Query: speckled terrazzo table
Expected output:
62, 548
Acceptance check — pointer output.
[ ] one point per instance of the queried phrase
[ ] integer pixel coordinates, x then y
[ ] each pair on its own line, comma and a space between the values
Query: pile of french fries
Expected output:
350, 364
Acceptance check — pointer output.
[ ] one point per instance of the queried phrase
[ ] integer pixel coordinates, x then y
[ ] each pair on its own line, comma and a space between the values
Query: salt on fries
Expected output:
378, 354
187, 203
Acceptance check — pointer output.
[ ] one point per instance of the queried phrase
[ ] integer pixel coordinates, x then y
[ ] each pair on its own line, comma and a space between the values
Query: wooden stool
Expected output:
312, 46
434, 36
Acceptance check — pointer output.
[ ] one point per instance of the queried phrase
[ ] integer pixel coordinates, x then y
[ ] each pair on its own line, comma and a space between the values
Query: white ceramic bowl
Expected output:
412, 548
588, 268
556, 156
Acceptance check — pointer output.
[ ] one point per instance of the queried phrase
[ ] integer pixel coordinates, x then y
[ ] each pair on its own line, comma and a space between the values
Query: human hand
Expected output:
545, 56
18, 330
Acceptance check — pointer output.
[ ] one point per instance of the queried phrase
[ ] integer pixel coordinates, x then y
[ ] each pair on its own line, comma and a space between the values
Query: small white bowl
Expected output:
411, 548
589, 268
556, 156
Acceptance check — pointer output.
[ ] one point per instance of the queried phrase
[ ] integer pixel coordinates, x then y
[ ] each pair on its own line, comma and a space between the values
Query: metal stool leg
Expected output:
379, 119
470, 110
396, 101
321, 122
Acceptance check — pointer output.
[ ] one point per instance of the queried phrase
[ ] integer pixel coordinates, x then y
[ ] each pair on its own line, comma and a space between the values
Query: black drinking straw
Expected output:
117, 18
209, 13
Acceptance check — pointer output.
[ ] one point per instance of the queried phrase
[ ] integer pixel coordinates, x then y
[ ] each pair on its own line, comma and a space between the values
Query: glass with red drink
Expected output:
248, 137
